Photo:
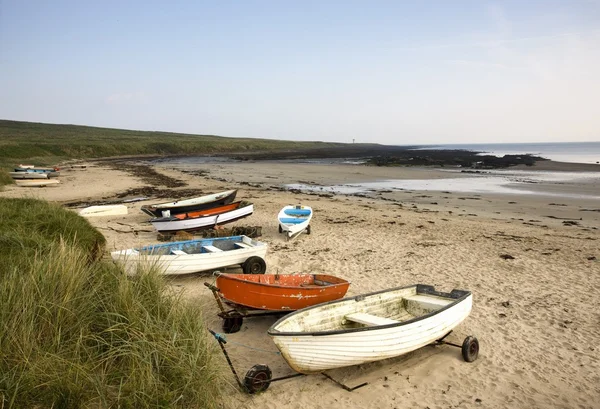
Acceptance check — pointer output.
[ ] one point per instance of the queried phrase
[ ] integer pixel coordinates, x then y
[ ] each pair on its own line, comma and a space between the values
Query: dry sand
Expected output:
536, 314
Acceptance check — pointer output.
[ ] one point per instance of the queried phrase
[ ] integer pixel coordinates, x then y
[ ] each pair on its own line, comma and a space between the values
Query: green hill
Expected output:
49, 143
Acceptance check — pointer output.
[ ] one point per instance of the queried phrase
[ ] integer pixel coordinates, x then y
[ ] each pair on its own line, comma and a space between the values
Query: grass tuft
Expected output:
77, 332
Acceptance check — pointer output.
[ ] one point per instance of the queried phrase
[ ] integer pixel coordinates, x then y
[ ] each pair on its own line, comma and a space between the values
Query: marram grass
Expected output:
79, 333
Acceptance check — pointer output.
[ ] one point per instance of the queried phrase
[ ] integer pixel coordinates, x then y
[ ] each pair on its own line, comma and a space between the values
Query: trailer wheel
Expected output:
280, 229
308, 229
232, 324
254, 265
257, 379
470, 349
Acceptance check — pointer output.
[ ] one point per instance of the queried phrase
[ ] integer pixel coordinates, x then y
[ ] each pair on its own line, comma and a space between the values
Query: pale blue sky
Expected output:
392, 72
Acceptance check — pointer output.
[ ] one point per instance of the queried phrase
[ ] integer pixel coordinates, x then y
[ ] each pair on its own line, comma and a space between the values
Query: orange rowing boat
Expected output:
280, 292
208, 212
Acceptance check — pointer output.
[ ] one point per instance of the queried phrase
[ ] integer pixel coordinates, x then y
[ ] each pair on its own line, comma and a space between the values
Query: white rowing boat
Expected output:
191, 256
103, 210
203, 219
293, 220
36, 182
368, 327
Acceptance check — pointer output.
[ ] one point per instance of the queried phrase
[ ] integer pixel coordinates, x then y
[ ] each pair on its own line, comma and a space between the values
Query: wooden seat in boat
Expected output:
211, 249
178, 252
242, 245
427, 301
369, 319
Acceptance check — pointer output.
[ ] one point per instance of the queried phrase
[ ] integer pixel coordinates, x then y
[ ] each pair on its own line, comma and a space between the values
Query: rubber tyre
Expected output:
254, 265
470, 349
280, 229
308, 229
257, 379
233, 324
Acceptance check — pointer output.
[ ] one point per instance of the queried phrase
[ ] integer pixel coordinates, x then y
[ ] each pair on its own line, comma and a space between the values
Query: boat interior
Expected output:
291, 280
197, 247
208, 212
373, 310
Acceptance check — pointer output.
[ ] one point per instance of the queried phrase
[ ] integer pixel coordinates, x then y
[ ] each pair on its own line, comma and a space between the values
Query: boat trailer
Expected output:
259, 377
234, 318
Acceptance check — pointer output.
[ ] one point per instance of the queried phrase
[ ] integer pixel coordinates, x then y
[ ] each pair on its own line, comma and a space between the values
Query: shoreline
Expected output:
534, 312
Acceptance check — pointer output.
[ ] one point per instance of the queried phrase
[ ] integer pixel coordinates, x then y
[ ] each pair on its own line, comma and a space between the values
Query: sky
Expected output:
389, 72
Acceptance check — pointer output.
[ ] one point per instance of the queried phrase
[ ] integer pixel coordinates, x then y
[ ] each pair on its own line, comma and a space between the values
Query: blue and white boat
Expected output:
191, 256
293, 220
29, 170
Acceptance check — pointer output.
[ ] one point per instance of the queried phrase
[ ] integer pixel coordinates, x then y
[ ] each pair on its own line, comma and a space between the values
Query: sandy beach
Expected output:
532, 262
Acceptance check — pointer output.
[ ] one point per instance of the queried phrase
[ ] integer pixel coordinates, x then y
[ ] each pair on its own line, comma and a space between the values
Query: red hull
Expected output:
280, 292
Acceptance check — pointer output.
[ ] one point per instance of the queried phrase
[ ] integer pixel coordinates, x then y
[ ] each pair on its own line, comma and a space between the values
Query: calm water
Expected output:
578, 152
493, 181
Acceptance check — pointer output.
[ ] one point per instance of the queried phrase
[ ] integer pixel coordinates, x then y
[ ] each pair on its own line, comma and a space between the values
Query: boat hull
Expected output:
280, 292
190, 205
318, 351
203, 219
189, 262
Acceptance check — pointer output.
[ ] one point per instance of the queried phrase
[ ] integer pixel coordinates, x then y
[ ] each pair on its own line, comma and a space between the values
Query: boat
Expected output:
293, 220
201, 219
189, 205
28, 175
29, 168
36, 182
280, 292
191, 256
103, 210
368, 327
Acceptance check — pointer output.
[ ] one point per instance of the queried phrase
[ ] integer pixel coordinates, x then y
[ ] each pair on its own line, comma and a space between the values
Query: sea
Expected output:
575, 152
490, 181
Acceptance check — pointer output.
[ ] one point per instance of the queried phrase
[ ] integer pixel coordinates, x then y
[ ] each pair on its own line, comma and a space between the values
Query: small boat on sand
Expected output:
256, 295
189, 205
28, 168
293, 220
370, 327
191, 256
28, 175
103, 210
280, 292
36, 182
202, 219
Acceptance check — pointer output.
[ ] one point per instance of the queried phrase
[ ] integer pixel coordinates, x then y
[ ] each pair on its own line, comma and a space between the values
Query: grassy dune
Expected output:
78, 333
47, 143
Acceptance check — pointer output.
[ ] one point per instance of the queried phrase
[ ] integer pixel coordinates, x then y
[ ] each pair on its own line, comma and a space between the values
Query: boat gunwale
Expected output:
299, 287
457, 295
